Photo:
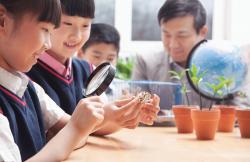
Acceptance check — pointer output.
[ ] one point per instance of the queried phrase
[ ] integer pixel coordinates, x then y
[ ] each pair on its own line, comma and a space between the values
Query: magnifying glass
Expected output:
99, 80
218, 60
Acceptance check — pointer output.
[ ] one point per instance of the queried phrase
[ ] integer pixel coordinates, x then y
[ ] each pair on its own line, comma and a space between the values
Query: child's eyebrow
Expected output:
97, 52
112, 54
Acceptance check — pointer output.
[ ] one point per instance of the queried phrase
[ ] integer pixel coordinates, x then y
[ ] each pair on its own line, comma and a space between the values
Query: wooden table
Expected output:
154, 144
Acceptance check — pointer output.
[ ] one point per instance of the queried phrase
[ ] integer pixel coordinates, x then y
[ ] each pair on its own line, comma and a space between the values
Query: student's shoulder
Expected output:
82, 64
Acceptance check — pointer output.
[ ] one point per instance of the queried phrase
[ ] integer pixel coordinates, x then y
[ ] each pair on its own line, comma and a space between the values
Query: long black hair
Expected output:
45, 10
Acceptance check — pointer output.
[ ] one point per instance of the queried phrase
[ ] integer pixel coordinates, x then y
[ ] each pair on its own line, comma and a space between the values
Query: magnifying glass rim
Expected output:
106, 82
188, 65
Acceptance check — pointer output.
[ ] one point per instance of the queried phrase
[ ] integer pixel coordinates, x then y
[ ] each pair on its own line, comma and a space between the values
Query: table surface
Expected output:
163, 144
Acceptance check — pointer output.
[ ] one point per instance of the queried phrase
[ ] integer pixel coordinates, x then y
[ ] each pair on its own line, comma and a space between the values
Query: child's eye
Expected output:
67, 23
85, 26
46, 30
110, 60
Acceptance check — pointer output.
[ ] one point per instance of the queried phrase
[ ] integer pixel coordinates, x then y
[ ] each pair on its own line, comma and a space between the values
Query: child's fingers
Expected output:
99, 114
156, 100
150, 107
94, 99
131, 114
87, 104
148, 119
151, 115
96, 104
133, 104
99, 111
131, 124
123, 102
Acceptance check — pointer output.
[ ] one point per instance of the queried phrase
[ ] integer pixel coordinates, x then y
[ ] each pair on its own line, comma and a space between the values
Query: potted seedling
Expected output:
205, 120
227, 118
243, 117
182, 113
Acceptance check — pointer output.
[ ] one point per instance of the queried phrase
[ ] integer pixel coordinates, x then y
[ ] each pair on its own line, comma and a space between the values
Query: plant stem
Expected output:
200, 101
211, 103
227, 103
200, 97
187, 99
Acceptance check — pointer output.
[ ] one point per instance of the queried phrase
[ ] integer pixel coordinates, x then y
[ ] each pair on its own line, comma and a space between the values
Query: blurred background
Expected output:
137, 23
138, 26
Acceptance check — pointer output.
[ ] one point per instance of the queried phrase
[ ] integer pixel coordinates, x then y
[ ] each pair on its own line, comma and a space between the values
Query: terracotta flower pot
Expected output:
205, 123
182, 115
243, 116
227, 118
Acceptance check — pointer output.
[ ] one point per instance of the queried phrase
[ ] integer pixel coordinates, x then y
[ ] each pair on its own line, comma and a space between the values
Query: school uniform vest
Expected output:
66, 92
25, 119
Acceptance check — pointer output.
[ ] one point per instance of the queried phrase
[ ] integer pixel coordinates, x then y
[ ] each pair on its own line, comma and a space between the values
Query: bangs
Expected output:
45, 10
82, 8
50, 11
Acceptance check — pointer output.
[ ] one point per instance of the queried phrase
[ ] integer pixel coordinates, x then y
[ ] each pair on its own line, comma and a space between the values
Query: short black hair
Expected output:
179, 8
82, 8
103, 33
46, 10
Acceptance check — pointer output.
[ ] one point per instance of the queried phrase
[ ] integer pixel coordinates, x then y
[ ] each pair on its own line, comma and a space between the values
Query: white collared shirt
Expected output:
17, 83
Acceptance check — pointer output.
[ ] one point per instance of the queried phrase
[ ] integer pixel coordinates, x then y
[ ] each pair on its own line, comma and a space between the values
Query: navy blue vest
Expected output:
66, 92
25, 119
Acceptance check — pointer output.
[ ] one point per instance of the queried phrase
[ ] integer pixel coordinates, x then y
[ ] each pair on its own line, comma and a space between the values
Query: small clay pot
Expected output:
227, 118
205, 123
243, 116
183, 119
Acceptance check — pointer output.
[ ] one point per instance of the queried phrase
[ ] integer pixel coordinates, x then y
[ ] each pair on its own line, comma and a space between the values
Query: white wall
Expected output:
231, 20
123, 23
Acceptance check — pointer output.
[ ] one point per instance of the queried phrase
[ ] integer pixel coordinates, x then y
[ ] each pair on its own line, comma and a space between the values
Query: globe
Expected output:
219, 59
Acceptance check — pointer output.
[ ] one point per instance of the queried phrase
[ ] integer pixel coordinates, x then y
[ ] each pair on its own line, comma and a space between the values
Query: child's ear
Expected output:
2, 17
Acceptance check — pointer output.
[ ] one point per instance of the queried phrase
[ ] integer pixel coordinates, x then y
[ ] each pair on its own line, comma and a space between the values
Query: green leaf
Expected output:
174, 73
220, 93
124, 68
194, 70
175, 77
179, 76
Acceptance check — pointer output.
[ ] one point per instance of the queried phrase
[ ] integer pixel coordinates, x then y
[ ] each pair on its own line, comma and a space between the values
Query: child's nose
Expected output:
47, 43
77, 34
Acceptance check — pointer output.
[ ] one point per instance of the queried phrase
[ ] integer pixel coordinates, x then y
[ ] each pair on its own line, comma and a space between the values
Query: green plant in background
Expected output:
124, 68
196, 77
227, 83
216, 90
180, 77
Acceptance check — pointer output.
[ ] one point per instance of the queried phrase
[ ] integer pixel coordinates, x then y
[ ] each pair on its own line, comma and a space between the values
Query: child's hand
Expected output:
150, 110
123, 113
88, 114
